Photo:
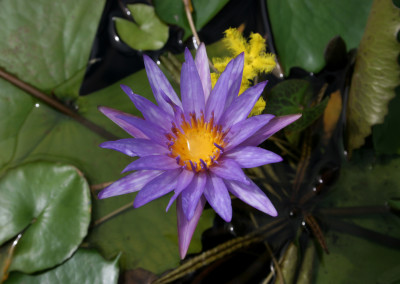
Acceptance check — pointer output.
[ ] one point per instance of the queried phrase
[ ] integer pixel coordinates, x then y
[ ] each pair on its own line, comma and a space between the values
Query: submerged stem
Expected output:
56, 105
112, 214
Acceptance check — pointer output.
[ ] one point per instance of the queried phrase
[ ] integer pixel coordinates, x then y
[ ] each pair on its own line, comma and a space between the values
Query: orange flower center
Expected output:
196, 144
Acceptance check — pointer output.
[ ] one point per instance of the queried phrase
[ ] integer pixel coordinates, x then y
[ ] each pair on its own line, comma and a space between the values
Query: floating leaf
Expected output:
47, 43
376, 74
50, 204
147, 236
303, 28
173, 12
365, 181
289, 263
146, 33
85, 266
294, 96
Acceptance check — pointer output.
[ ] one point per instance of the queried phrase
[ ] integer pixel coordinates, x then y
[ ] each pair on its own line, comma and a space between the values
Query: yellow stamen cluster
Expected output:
196, 144
256, 60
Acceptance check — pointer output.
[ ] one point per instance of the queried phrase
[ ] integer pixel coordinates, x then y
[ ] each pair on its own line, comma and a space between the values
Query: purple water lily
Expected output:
196, 147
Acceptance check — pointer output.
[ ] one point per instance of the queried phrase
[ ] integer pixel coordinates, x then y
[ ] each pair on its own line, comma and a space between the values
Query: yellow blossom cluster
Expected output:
256, 61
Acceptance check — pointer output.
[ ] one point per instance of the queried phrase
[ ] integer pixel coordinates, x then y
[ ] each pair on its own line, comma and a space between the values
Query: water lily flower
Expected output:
196, 146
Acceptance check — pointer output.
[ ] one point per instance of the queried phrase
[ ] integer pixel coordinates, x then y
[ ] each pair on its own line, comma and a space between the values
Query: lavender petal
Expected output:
246, 128
218, 197
252, 195
117, 117
242, 105
183, 181
229, 169
150, 111
151, 130
156, 188
191, 87
217, 99
158, 82
273, 126
135, 147
130, 183
186, 228
192, 194
251, 157
203, 69
236, 80
155, 162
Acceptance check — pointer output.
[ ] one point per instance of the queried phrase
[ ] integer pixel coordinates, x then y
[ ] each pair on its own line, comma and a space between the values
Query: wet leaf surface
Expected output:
376, 74
302, 29
48, 203
359, 254
85, 266
173, 12
147, 32
66, 31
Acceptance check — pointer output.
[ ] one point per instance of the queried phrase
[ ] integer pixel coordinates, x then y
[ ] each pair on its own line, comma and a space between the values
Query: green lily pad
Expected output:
303, 28
173, 12
147, 236
146, 33
47, 43
376, 74
49, 204
85, 266
365, 181
291, 97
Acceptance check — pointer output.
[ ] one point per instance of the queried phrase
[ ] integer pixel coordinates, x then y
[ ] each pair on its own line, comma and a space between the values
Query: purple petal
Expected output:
151, 130
219, 93
236, 80
130, 183
252, 195
192, 194
135, 147
191, 88
158, 83
155, 162
203, 69
218, 197
251, 157
156, 188
150, 111
228, 169
184, 180
242, 105
244, 129
276, 124
186, 228
117, 117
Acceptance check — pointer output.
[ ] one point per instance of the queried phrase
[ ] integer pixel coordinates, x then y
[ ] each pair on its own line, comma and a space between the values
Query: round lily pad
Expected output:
49, 204
85, 266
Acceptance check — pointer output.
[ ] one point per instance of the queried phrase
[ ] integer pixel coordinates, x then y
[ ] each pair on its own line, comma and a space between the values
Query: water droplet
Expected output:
37, 105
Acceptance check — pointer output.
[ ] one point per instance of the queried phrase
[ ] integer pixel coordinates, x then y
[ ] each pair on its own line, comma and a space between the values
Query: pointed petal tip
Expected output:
100, 195
126, 89
272, 212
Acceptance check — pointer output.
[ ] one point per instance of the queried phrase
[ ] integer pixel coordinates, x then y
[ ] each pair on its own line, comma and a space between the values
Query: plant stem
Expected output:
56, 105
188, 10
112, 214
